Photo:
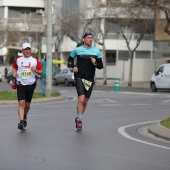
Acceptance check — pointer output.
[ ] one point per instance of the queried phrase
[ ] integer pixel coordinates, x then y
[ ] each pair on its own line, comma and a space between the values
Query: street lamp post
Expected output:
49, 49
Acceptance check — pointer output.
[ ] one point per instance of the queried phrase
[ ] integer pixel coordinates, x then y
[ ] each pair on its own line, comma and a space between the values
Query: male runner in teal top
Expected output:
88, 59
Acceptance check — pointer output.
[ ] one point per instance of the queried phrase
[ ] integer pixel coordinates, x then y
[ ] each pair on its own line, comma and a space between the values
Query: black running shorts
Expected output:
81, 89
26, 92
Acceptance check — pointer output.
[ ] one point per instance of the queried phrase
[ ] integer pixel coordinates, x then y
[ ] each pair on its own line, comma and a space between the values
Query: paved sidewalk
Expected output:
159, 131
124, 84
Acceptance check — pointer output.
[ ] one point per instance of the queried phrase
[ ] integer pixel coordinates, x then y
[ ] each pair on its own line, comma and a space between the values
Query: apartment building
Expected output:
147, 56
20, 21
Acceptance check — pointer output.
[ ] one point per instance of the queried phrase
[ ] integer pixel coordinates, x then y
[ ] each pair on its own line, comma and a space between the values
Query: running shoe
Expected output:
78, 124
21, 126
25, 120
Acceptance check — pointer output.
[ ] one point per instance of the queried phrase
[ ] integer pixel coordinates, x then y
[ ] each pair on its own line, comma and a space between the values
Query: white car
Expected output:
161, 78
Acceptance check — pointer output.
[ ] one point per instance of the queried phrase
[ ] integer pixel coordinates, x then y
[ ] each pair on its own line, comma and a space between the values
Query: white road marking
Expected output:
51, 106
104, 100
166, 101
149, 94
106, 105
121, 130
140, 104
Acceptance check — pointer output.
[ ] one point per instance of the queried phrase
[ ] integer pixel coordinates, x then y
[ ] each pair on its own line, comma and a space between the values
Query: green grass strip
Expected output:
166, 123
6, 95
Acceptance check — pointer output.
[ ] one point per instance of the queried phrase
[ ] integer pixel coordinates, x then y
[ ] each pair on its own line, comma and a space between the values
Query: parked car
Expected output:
65, 76
161, 78
0, 77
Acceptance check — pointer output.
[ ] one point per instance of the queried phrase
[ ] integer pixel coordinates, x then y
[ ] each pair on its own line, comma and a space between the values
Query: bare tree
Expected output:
122, 17
26, 30
159, 7
76, 24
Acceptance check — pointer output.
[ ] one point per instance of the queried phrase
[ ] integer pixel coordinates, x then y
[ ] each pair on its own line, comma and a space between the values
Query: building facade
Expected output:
20, 21
147, 56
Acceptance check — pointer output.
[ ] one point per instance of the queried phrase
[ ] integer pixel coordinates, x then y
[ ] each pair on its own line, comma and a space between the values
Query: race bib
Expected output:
87, 84
25, 73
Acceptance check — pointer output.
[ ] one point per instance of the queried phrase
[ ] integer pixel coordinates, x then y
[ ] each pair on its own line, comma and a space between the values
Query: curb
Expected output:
159, 131
42, 100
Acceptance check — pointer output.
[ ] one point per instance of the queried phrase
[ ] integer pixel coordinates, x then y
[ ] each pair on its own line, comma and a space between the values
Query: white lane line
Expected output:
149, 94
106, 105
104, 100
166, 101
51, 106
121, 130
67, 100
140, 104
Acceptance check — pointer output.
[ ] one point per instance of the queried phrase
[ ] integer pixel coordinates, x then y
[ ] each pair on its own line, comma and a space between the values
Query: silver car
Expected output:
65, 76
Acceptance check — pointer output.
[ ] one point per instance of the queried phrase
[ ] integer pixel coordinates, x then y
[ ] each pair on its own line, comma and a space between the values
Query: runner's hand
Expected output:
14, 74
33, 68
75, 69
93, 60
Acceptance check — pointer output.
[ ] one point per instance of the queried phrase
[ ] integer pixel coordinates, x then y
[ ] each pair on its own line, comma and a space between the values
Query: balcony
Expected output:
24, 25
134, 36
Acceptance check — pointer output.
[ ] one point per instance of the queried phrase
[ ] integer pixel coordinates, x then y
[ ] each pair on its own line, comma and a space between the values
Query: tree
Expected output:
14, 32
161, 8
76, 24
127, 23
118, 16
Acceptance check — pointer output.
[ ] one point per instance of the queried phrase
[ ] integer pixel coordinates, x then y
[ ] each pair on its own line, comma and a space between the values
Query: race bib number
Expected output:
87, 84
25, 73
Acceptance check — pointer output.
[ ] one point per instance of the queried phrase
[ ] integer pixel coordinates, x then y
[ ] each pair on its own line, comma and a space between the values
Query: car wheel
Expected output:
73, 83
55, 83
153, 87
66, 82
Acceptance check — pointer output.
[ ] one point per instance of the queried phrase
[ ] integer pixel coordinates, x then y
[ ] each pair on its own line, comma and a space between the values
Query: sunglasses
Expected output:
86, 34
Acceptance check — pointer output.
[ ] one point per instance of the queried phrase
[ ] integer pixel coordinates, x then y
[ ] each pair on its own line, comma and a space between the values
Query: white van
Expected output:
161, 78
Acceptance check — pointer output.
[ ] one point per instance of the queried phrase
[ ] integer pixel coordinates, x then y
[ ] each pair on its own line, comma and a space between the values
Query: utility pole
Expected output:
103, 23
49, 49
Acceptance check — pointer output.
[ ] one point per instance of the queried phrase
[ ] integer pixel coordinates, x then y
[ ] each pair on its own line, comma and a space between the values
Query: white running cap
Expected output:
26, 45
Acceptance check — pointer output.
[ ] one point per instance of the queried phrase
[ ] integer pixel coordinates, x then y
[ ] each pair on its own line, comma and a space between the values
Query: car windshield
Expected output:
71, 70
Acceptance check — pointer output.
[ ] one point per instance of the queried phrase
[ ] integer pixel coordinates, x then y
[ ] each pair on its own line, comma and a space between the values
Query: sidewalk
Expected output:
99, 82
159, 131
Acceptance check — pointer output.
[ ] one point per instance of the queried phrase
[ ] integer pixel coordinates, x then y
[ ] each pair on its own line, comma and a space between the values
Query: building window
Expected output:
123, 55
113, 0
1, 60
143, 54
25, 14
111, 57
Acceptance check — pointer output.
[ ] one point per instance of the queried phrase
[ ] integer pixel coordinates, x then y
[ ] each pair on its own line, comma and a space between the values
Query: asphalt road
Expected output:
114, 135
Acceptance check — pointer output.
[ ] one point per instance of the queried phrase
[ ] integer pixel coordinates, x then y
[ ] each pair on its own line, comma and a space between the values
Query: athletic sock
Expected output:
79, 116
